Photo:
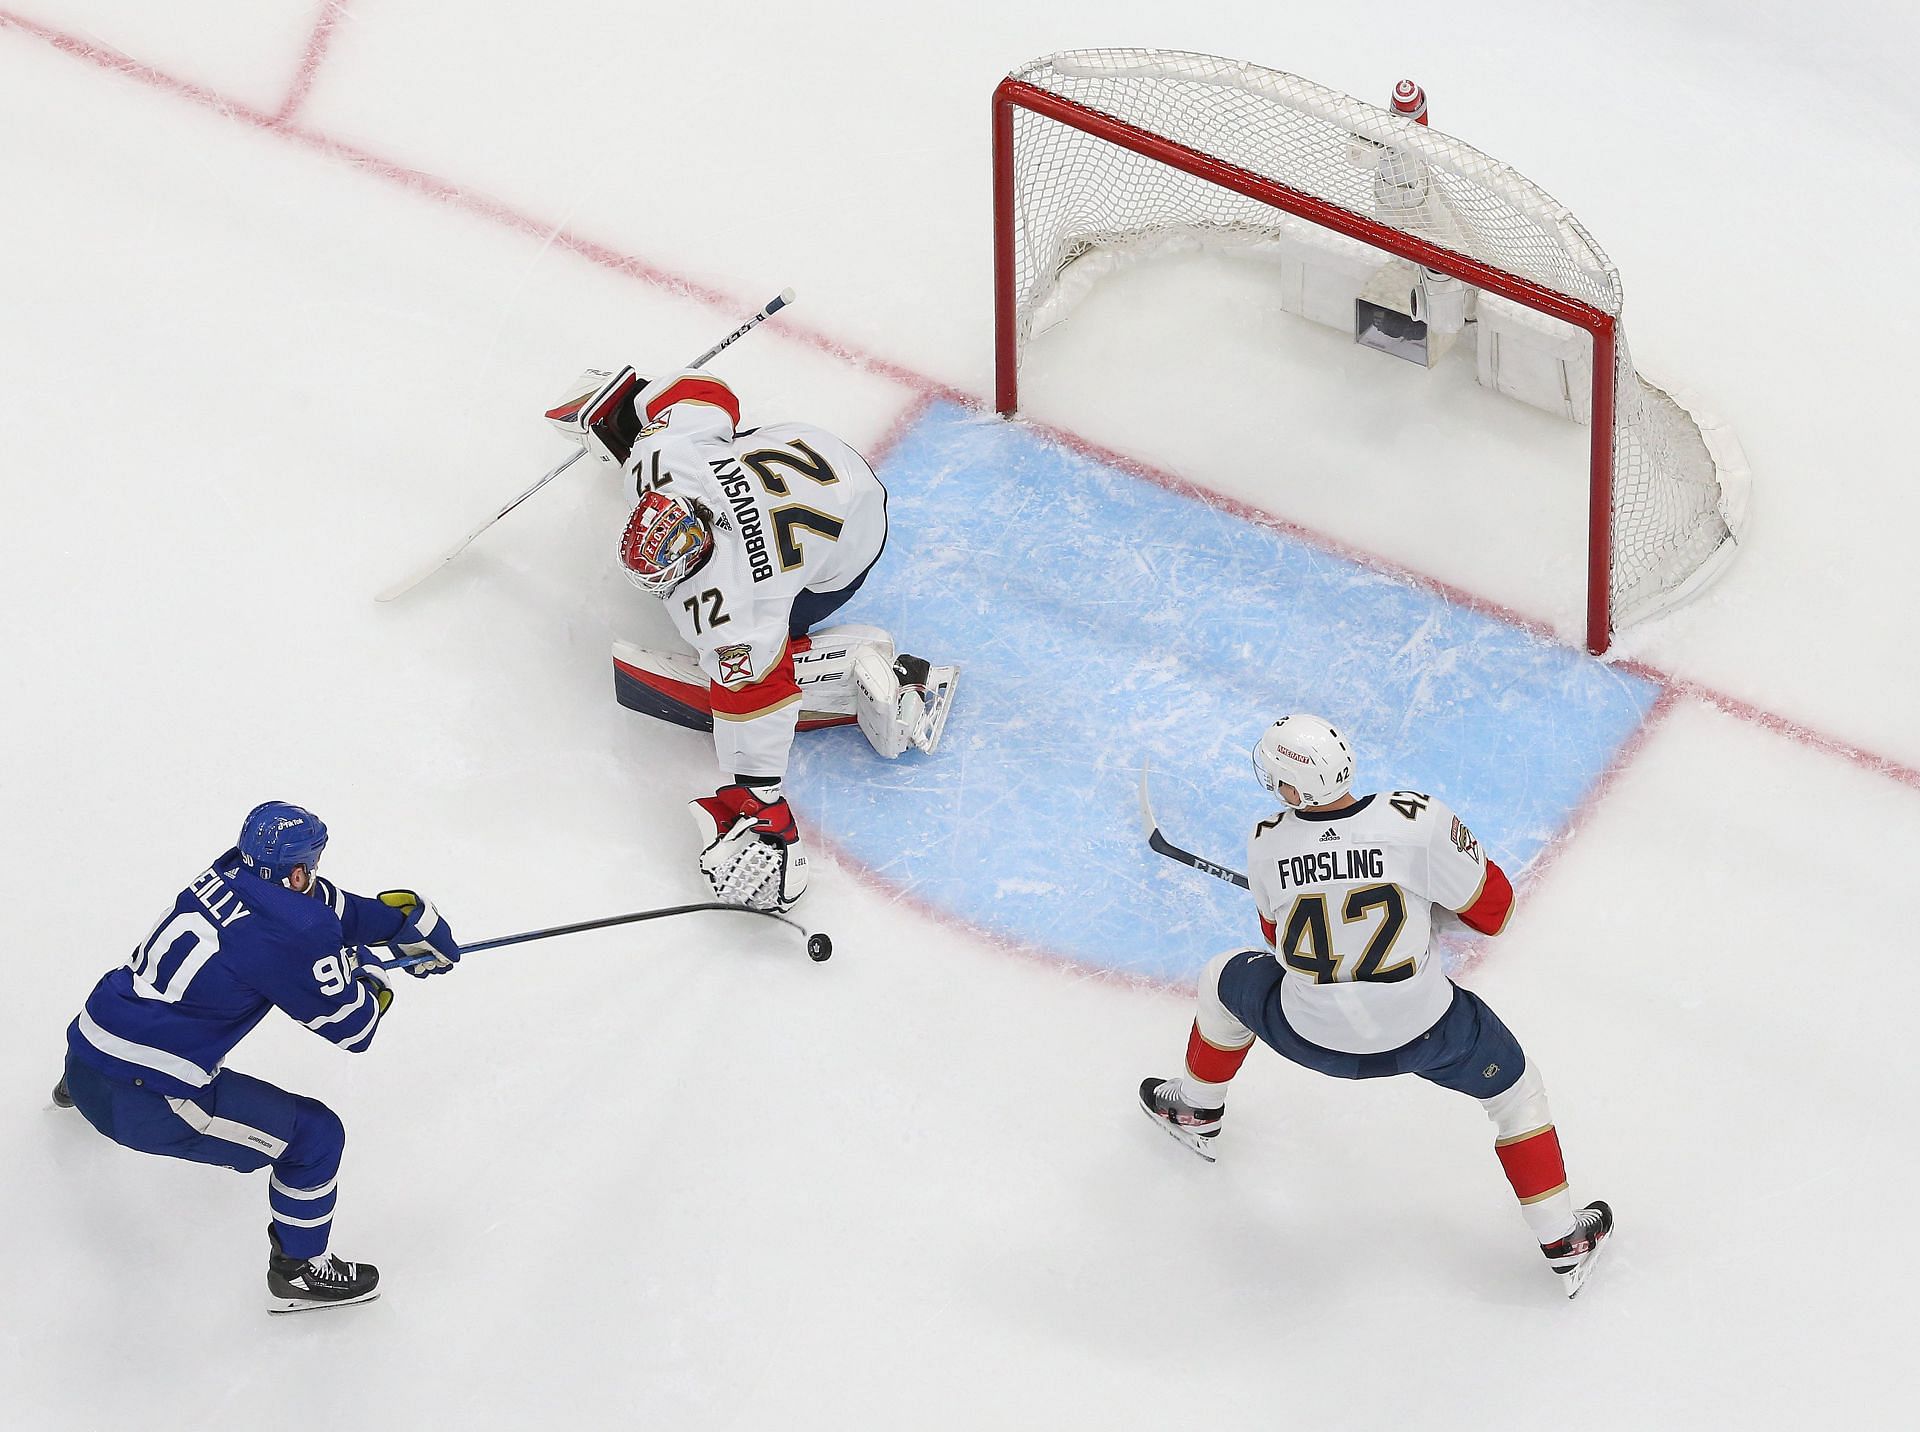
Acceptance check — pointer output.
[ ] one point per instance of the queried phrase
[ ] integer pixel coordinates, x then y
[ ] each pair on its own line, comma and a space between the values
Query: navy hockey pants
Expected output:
1467, 1049
811, 608
239, 1122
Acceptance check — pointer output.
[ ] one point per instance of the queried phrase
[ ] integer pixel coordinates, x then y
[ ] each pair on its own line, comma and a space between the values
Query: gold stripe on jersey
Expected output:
779, 705
1521, 1138
1557, 1188
1478, 891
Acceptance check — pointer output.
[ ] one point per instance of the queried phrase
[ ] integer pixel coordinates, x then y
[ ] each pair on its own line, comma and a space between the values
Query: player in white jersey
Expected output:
753, 538
1351, 985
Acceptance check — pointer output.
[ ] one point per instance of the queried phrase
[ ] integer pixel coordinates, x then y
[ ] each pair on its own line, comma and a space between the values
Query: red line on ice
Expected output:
318, 43
604, 256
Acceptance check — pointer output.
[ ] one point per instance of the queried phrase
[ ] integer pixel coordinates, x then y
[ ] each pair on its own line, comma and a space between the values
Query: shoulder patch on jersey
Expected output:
1463, 839
736, 662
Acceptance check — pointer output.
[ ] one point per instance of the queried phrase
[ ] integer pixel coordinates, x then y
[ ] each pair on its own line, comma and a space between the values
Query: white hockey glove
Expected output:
423, 936
599, 412
754, 855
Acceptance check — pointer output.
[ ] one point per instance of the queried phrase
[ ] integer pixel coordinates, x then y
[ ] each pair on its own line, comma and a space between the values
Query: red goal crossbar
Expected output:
1014, 94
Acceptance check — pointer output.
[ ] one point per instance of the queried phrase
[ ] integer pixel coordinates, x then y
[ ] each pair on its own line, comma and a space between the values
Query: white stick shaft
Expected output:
407, 584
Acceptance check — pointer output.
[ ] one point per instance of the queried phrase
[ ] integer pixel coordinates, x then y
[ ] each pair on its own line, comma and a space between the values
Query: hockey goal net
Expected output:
1099, 152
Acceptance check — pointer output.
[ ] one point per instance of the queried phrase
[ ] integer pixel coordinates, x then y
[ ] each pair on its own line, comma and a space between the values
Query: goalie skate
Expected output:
902, 701
937, 683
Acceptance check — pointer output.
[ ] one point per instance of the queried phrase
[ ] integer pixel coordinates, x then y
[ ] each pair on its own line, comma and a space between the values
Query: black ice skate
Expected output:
61, 1098
1196, 1128
1573, 1257
295, 1285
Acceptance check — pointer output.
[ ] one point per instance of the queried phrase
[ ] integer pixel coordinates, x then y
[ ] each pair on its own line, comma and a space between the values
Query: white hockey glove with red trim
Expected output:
754, 855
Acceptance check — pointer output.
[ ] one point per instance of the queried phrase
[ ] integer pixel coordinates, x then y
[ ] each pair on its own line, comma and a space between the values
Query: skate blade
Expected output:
1200, 1145
941, 682
308, 1305
1576, 1278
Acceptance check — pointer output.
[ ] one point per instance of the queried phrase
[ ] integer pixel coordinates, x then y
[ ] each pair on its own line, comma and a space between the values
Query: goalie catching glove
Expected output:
422, 935
753, 855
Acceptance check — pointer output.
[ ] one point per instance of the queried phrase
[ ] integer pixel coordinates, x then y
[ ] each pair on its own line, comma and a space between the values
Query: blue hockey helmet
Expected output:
276, 836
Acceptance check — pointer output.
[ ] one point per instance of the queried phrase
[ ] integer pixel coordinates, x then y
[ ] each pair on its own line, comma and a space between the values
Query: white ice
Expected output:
682, 1178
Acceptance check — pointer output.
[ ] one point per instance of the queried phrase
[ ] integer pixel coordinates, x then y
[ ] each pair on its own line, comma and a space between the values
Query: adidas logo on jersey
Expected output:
1329, 835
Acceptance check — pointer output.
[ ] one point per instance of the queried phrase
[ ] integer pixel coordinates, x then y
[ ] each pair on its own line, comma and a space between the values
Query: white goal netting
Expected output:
1240, 154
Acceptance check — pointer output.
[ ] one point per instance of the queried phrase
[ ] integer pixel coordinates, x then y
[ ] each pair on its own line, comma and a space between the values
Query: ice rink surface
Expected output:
285, 288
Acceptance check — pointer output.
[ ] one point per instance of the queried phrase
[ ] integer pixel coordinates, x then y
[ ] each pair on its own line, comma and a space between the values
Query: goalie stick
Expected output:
408, 583
1161, 845
819, 944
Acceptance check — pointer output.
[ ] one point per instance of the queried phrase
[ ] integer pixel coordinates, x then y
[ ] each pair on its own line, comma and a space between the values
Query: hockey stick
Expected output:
1161, 845
819, 945
773, 306
408, 583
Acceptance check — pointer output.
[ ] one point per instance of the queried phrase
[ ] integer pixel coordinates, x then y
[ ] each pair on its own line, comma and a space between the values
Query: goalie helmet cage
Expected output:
1101, 150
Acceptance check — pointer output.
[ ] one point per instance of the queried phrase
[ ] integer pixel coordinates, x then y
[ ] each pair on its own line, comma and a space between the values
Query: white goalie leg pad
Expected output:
824, 669
889, 712
743, 869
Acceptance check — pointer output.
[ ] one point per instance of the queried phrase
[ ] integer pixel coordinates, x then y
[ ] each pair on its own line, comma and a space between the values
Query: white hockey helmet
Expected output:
665, 542
1306, 753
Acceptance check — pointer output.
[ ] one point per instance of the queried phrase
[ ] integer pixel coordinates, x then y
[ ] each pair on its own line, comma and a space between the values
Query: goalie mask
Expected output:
1306, 753
665, 542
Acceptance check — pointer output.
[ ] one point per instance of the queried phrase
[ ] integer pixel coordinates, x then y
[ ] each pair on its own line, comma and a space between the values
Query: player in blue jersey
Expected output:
256, 930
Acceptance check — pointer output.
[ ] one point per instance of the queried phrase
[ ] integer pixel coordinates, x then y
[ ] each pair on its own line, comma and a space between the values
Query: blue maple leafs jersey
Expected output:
231, 947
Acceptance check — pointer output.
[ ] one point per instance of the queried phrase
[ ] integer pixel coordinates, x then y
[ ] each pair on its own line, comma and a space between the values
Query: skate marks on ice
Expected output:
1101, 618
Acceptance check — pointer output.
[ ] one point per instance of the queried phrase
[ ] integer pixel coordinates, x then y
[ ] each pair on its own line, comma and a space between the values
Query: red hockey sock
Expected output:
1209, 1063
1533, 1164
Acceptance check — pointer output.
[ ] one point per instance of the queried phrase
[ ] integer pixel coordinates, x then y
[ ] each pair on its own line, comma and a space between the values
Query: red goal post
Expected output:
1104, 150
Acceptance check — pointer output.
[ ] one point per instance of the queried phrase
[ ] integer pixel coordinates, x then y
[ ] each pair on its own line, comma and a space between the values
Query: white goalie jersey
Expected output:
1346, 901
793, 509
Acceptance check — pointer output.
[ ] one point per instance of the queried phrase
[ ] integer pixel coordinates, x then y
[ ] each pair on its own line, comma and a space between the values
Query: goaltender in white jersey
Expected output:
752, 538
1349, 983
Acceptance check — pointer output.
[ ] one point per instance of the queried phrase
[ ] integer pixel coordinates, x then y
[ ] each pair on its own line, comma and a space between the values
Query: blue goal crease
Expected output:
1099, 620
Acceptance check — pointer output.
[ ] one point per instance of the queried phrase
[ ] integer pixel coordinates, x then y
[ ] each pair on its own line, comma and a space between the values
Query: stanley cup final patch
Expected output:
736, 663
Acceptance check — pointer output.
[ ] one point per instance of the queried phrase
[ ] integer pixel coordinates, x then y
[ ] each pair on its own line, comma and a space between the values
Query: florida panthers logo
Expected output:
736, 663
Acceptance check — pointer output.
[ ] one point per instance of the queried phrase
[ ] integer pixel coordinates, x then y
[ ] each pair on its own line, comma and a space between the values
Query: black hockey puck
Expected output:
819, 948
